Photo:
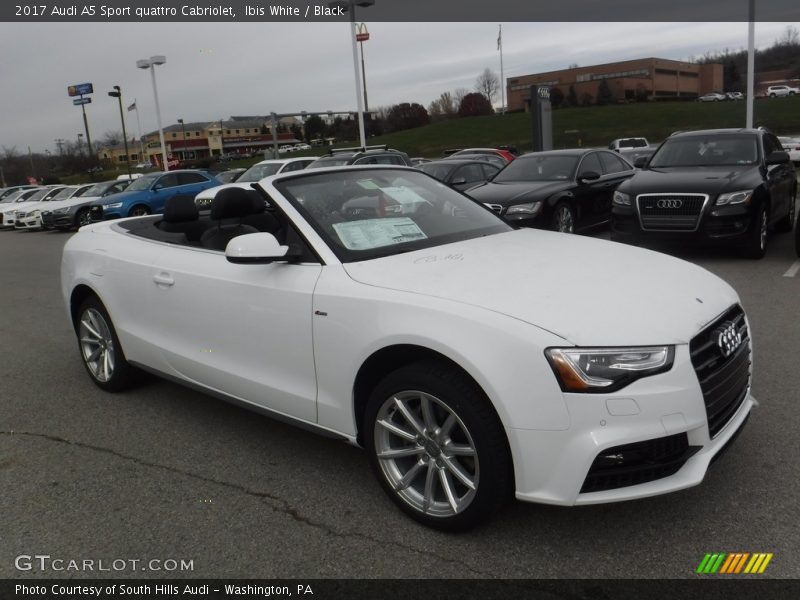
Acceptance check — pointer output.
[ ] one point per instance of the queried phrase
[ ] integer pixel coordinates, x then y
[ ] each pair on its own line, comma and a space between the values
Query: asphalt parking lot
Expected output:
163, 472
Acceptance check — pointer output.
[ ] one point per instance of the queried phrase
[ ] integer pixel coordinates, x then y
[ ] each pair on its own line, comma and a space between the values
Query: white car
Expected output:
778, 91
712, 97
792, 146
20, 209
286, 148
257, 172
469, 359
30, 217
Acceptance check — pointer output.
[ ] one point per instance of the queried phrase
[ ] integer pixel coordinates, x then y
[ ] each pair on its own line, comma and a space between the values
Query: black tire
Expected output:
140, 210
563, 218
756, 242
96, 335
83, 217
438, 453
787, 222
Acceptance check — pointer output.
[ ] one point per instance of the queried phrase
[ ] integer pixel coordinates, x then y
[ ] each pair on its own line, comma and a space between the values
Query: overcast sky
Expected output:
215, 70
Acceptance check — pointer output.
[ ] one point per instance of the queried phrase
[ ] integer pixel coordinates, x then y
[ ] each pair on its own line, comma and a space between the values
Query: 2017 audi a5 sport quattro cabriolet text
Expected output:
380, 306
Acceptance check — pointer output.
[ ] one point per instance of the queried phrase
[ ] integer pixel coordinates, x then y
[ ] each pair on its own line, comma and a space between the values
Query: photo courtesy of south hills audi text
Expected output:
122, 590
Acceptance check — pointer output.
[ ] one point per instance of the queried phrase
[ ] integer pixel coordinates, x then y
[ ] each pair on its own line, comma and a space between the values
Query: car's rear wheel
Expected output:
756, 244
563, 219
787, 222
437, 446
139, 211
100, 348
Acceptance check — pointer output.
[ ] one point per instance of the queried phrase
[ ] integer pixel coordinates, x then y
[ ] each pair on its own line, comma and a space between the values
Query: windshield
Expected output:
39, 195
143, 183
632, 143
538, 167
439, 171
96, 190
707, 151
329, 161
63, 194
258, 172
369, 213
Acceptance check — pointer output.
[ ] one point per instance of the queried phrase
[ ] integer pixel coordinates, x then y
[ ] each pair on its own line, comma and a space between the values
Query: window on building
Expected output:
174, 135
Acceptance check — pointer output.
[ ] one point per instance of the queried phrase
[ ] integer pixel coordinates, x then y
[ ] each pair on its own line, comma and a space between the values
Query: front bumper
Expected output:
29, 222
551, 467
101, 213
50, 219
717, 225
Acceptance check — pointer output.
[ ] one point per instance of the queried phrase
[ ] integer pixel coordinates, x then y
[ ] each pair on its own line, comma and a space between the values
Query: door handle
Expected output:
163, 279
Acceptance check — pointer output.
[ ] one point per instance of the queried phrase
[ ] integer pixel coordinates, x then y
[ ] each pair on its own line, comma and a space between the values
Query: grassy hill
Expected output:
597, 125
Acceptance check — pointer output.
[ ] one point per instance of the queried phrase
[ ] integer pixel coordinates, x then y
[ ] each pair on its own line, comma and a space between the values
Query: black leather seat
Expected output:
230, 203
262, 220
181, 216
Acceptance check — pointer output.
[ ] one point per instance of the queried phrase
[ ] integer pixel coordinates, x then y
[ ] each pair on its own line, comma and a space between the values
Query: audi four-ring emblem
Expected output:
728, 339
669, 203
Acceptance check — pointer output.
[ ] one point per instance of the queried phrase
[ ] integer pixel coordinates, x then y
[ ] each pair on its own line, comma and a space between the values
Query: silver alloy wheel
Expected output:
763, 233
97, 344
566, 224
426, 453
139, 211
85, 218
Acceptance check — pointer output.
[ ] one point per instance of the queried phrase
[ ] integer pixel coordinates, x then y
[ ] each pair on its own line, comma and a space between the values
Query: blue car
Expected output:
148, 194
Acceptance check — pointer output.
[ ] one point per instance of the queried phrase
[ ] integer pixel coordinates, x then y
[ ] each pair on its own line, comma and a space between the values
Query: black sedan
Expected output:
460, 174
562, 190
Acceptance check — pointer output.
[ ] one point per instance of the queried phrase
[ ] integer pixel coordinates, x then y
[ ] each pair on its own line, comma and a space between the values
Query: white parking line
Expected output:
793, 269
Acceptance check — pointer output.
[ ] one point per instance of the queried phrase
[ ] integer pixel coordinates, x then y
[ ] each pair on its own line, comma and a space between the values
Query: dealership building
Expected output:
630, 80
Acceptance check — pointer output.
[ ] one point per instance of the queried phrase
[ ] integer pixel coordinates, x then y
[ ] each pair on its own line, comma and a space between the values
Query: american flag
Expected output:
132, 106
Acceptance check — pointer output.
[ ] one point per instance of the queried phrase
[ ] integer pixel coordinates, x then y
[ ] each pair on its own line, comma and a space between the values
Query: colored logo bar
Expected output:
734, 563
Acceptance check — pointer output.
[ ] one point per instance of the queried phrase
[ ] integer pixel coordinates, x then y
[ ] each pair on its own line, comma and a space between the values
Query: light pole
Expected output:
350, 6
150, 63
183, 129
117, 93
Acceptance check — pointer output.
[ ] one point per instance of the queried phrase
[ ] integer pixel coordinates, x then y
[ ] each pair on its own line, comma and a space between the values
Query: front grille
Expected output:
494, 207
19, 215
637, 463
670, 212
724, 380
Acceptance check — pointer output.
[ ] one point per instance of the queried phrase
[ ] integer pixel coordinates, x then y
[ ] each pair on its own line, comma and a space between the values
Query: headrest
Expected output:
232, 203
259, 205
179, 209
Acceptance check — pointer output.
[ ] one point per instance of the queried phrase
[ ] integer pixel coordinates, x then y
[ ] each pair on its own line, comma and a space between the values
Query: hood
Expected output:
705, 180
15, 206
55, 205
508, 194
121, 197
590, 292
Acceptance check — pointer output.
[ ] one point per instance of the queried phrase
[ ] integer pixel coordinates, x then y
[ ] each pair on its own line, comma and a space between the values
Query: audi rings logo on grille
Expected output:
669, 203
728, 339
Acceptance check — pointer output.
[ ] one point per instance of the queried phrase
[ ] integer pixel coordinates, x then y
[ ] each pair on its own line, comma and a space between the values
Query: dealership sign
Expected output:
79, 101
80, 89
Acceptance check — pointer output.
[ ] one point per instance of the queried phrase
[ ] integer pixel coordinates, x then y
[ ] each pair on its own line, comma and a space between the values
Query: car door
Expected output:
615, 170
163, 189
592, 198
245, 329
779, 179
467, 176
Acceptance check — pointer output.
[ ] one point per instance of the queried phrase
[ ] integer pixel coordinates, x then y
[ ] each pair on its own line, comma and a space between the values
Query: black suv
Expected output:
369, 155
717, 185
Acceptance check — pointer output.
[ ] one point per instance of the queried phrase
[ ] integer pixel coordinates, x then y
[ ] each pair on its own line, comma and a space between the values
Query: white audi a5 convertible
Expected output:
472, 361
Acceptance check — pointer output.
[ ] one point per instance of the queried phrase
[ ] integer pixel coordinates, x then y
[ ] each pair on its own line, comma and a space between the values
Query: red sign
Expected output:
362, 37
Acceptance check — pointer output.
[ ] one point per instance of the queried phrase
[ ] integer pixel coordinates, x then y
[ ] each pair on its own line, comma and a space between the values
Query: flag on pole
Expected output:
499, 37
132, 106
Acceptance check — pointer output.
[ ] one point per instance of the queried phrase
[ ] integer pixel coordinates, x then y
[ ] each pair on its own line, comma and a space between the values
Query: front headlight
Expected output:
532, 208
61, 211
622, 199
600, 370
735, 197
115, 205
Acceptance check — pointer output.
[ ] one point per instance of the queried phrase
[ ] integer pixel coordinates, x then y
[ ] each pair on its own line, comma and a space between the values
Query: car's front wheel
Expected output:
139, 211
84, 217
756, 244
100, 348
437, 446
563, 219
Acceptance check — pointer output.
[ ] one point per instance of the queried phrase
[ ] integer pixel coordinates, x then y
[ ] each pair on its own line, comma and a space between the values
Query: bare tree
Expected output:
435, 109
790, 37
488, 84
10, 153
447, 104
458, 95
111, 138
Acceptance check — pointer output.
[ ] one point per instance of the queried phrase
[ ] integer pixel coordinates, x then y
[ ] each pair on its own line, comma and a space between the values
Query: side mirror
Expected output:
158, 187
777, 158
640, 162
588, 176
255, 249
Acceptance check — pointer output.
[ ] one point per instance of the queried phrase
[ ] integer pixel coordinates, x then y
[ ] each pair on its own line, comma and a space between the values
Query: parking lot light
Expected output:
117, 93
151, 63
